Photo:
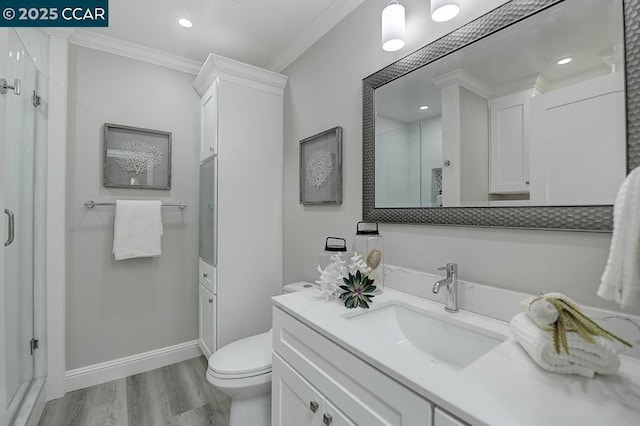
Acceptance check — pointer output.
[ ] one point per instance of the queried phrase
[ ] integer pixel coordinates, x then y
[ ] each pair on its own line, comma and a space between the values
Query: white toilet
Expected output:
242, 371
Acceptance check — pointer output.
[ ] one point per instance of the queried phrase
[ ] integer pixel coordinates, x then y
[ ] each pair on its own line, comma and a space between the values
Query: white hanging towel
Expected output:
621, 278
137, 229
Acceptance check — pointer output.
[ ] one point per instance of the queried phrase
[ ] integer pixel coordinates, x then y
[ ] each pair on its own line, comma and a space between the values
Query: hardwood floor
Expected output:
176, 395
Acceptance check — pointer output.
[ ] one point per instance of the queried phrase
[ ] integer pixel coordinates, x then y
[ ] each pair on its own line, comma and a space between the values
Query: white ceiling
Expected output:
584, 29
268, 34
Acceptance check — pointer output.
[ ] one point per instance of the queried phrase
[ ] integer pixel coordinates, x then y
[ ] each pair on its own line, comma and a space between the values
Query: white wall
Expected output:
325, 90
397, 163
474, 147
116, 309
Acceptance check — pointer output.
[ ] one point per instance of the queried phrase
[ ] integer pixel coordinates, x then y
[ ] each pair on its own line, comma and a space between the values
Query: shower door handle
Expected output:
4, 86
12, 226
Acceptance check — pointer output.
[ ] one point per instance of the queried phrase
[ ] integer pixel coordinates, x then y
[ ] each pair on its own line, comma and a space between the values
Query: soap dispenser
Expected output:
368, 243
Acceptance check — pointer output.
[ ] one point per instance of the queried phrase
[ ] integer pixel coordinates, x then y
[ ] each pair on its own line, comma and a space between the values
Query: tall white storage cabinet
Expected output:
242, 128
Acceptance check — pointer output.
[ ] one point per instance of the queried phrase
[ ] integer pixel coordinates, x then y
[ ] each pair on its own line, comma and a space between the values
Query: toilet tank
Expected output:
299, 286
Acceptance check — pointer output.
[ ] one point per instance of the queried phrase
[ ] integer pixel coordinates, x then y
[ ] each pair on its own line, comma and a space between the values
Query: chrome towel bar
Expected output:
91, 204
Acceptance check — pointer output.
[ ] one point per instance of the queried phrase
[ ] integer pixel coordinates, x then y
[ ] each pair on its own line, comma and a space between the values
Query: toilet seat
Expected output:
248, 357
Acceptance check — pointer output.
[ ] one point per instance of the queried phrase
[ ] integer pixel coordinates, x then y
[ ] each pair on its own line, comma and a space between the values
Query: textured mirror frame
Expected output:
571, 218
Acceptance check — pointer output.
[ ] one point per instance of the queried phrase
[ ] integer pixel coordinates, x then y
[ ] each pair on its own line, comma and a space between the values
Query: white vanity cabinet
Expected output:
300, 404
509, 143
442, 418
311, 372
206, 322
209, 122
241, 197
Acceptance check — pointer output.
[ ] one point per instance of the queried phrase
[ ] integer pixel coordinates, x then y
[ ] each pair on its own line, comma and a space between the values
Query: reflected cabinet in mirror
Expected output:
518, 119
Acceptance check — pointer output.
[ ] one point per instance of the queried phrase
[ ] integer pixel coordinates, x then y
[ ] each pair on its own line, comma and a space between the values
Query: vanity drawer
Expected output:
207, 276
442, 418
363, 393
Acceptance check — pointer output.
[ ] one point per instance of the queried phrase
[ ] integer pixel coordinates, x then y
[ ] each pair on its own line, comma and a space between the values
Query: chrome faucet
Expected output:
452, 286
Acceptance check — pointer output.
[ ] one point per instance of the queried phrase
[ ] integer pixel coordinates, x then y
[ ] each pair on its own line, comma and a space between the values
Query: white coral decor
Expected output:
331, 277
358, 264
138, 157
319, 168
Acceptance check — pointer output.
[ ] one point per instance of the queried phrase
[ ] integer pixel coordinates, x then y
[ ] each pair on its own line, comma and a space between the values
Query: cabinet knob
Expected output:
527, 182
447, 163
210, 300
327, 419
313, 406
210, 149
205, 275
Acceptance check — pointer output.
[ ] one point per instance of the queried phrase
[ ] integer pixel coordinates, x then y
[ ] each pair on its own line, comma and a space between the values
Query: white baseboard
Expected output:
38, 409
96, 374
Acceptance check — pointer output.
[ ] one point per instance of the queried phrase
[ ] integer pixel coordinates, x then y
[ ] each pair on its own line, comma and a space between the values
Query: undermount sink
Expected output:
442, 339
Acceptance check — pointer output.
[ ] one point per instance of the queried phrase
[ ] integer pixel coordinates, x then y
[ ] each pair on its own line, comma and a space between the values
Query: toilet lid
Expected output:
248, 356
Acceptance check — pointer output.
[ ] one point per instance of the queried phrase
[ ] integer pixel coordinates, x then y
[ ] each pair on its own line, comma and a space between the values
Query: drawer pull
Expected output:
313, 406
327, 419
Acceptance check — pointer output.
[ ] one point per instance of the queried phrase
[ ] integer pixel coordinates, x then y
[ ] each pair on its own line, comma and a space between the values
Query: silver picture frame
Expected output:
136, 158
321, 168
597, 218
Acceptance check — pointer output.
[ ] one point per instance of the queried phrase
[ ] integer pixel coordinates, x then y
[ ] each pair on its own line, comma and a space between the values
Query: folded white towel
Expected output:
583, 359
621, 279
137, 229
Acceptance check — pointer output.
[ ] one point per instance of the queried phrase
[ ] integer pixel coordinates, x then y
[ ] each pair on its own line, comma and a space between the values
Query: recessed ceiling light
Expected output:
424, 107
564, 61
184, 22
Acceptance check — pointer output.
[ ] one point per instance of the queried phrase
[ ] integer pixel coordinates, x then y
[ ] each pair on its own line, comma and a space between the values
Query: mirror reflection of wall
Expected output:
532, 115
410, 167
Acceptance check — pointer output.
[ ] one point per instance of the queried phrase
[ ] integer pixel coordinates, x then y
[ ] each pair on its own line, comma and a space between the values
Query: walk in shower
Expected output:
23, 247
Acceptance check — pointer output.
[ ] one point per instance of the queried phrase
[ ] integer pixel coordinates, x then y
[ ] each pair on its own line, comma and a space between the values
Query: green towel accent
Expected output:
571, 319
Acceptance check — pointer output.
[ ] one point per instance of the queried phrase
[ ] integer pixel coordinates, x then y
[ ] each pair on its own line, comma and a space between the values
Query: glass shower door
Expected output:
19, 214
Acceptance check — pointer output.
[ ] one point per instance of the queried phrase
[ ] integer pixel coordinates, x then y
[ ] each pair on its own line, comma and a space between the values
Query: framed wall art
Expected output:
136, 158
321, 168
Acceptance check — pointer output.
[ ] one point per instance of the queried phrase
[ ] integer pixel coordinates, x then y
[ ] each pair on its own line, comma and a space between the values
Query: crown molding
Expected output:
329, 19
129, 50
537, 84
238, 72
64, 33
464, 79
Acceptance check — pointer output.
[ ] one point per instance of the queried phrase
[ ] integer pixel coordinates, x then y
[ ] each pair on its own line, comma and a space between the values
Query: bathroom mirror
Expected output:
518, 119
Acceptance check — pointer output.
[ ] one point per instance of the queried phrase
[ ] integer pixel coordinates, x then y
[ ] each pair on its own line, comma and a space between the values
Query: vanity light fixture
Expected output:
564, 61
184, 22
393, 26
424, 107
444, 10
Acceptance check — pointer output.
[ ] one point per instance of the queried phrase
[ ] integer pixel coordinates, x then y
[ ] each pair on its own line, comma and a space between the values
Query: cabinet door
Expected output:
331, 416
294, 401
578, 142
207, 321
364, 394
509, 144
442, 418
209, 120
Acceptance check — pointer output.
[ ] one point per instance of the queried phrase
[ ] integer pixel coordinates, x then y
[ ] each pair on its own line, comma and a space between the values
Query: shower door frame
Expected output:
4, 68
32, 403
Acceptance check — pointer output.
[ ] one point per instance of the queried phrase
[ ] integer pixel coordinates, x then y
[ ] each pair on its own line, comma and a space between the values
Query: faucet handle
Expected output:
450, 268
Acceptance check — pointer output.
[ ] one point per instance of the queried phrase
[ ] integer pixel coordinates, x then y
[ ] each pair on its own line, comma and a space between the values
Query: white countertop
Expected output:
503, 387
